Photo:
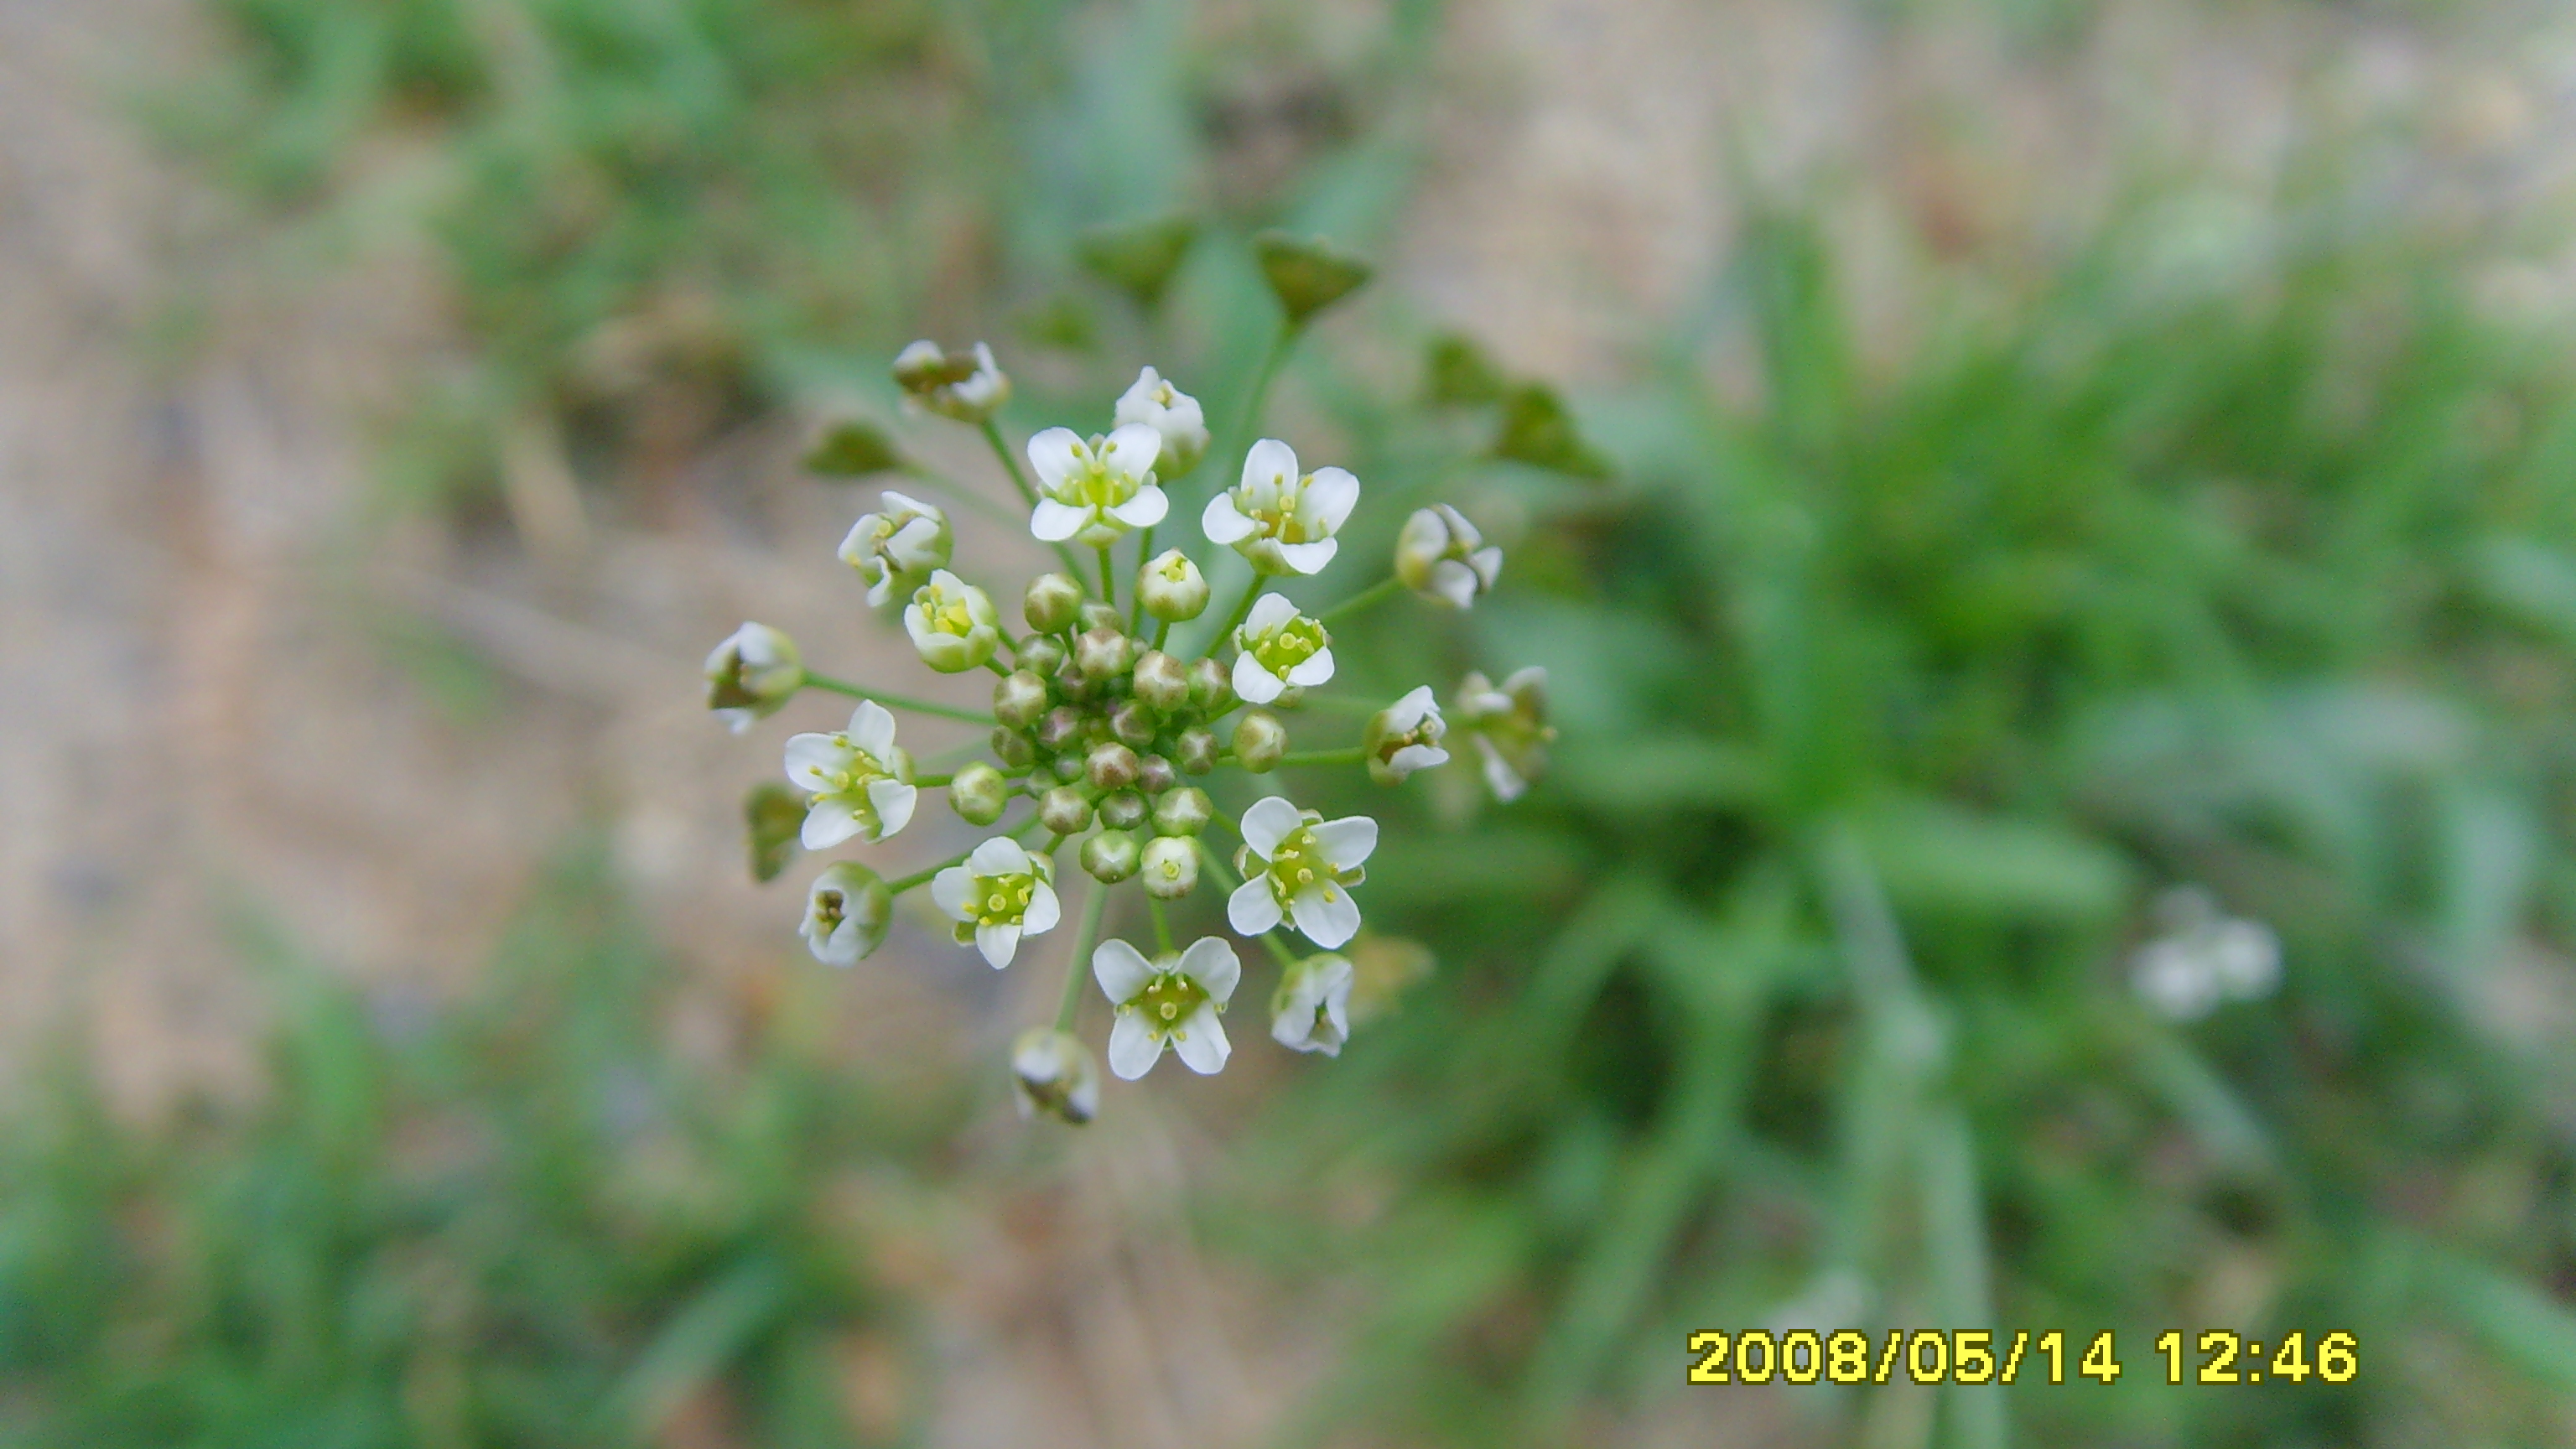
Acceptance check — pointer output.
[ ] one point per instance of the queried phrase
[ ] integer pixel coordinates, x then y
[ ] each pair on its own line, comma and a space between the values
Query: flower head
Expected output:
1509, 726
752, 675
1052, 1072
968, 387
1171, 412
1440, 555
1307, 867
846, 914
1280, 647
1095, 490
1170, 1001
1280, 519
999, 895
1310, 1012
2204, 957
861, 779
895, 547
1405, 737
952, 624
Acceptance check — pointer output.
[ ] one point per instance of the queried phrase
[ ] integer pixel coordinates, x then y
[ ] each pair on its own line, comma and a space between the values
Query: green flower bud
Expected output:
1170, 867
1306, 274
1042, 656
966, 386
952, 624
1019, 699
1103, 650
1071, 683
1211, 687
1068, 766
1195, 750
1133, 723
1259, 741
1097, 615
979, 794
1053, 602
773, 816
1110, 766
1162, 681
1123, 810
1110, 856
1059, 728
1013, 748
1172, 587
1065, 810
752, 675
1154, 774
1183, 812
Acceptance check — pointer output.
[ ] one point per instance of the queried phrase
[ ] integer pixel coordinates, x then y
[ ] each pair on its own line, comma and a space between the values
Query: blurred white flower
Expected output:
1509, 725
1094, 491
1052, 1072
1280, 647
1441, 556
895, 547
1405, 737
1307, 866
1154, 402
861, 779
999, 895
1280, 519
752, 675
968, 387
2203, 958
1172, 1000
1311, 1010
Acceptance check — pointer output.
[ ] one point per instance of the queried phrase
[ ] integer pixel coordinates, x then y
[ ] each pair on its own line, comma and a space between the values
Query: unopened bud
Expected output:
1163, 682
1183, 812
1071, 683
1013, 748
1052, 1072
1065, 810
1042, 656
1059, 728
1169, 866
1123, 810
773, 818
1103, 650
1211, 687
979, 794
752, 675
1133, 723
1019, 699
1259, 741
1068, 766
1154, 774
1195, 750
846, 914
1172, 587
1110, 766
1053, 602
1097, 615
1110, 856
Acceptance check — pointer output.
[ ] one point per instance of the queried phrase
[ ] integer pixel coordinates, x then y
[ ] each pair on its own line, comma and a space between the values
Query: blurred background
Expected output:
2053, 529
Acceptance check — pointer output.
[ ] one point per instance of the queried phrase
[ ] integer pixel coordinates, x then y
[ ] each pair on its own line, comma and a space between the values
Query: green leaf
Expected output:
1138, 257
1943, 858
1307, 274
1457, 373
854, 450
1537, 430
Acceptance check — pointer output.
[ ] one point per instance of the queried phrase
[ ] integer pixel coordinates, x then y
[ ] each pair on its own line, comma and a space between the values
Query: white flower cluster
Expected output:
1103, 725
2203, 957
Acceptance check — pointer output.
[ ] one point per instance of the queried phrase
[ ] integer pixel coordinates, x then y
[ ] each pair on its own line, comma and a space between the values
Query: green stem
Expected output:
895, 701
998, 667
963, 494
1144, 556
1162, 923
1094, 902
1162, 631
1375, 593
931, 782
1226, 877
1250, 425
1339, 704
922, 876
1350, 756
1028, 490
1242, 611
1108, 577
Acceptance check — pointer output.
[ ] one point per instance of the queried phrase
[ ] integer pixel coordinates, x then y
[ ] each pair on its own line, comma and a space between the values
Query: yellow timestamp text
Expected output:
1981, 1356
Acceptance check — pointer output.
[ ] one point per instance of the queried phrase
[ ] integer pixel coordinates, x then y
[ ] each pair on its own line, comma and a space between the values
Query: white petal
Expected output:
949, 890
1252, 910
1332, 493
998, 943
1222, 522
1326, 914
1268, 613
856, 548
1253, 682
1505, 781
1144, 510
1201, 1042
811, 758
1043, 912
1348, 841
1137, 404
1132, 448
1315, 668
1212, 964
1121, 970
1407, 712
1416, 757
881, 590
1000, 855
828, 822
1488, 563
1268, 822
1132, 1049
1055, 454
1454, 583
737, 720
894, 801
916, 545
1271, 465
1053, 522
872, 730
1308, 558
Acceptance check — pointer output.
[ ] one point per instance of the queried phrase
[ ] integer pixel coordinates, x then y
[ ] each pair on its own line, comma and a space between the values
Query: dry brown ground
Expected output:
199, 711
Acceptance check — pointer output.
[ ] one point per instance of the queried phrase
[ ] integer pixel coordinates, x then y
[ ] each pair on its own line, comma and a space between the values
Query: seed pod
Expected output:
1053, 602
1019, 698
1123, 810
1065, 810
1259, 741
1183, 812
1111, 856
1195, 750
1162, 681
1110, 766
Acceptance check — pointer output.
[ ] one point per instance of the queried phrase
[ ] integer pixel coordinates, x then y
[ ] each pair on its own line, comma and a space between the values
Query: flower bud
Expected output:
1183, 812
752, 675
1053, 602
773, 818
1103, 650
846, 914
1163, 682
1068, 766
966, 386
1052, 1072
1154, 774
1043, 656
1071, 683
1133, 723
1014, 748
1259, 741
1059, 728
1310, 1012
1097, 615
952, 624
1065, 810
979, 794
898, 546
1172, 587
1110, 766
1195, 750
1306, 274
1170, 866
1123, 810
1110, 856
1211, 687
1171, 413
1442, 557
1019, 699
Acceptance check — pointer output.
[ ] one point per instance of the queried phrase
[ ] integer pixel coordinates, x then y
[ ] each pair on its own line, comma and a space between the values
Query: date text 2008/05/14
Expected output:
2215, 1356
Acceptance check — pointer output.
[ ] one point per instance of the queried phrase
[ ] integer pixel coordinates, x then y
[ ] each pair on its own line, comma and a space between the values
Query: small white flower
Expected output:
1405, 737
967, 387
752, 675
999, 895
1441, 556
894, 548
2205, 957
1096, 490
1280, 647
1280, 519
846, 914
1170, 1001
861, 779
1171, 412
952, 623
1052, 1072
1308, 866
1311, 1010
1509, 726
